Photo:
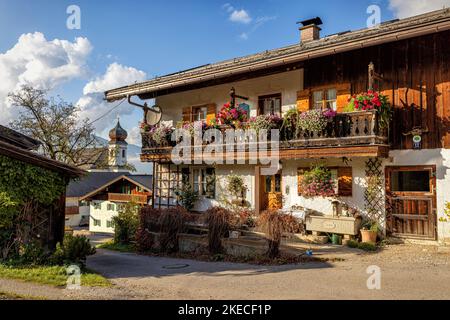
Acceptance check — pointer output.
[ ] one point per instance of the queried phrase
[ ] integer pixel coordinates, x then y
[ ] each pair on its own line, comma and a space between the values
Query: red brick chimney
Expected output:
310, 30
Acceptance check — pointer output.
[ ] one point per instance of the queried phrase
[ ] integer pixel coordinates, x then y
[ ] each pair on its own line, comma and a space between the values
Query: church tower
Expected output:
117, 150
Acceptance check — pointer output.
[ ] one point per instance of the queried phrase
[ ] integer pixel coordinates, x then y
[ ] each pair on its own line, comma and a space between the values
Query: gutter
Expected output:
367, 41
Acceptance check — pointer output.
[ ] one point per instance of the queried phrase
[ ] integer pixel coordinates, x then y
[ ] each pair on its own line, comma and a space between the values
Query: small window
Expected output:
97, 206
199, 113
109, 224
97, 223
324, 99
270, 104
203, 181
124, 153
410, 181
111, 207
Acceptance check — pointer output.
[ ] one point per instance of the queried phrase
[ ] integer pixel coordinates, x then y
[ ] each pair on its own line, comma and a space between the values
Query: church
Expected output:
99, 196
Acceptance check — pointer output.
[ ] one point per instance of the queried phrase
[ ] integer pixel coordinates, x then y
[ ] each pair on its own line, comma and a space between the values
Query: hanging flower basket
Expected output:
317, 182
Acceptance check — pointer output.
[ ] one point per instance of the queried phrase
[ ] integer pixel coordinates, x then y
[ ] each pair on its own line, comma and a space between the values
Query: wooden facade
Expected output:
416, 77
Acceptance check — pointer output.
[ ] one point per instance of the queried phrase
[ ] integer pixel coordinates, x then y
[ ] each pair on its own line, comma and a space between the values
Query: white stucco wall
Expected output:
103, 215
287, 83
74, 220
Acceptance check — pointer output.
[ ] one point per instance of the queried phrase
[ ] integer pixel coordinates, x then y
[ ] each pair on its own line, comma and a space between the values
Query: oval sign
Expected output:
417, 139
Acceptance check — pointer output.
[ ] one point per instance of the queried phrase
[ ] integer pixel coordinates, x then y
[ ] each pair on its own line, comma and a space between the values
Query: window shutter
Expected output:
303, 100
187, 114
345, 181
211, 113
300, 173
343, 91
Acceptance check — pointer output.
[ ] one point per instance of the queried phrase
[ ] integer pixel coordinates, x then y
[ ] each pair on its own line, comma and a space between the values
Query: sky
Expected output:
123, 41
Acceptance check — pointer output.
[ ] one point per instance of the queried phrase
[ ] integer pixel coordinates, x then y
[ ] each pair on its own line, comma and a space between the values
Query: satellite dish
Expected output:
153, 115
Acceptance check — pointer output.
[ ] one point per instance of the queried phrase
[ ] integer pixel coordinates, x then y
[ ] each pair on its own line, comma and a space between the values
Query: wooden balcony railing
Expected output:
119, 197
70, 211
346, 130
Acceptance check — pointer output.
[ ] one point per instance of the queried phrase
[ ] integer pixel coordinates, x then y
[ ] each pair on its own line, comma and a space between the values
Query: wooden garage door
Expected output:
411, 201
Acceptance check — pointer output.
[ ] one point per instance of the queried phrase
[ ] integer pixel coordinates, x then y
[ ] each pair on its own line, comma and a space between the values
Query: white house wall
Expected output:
103, 215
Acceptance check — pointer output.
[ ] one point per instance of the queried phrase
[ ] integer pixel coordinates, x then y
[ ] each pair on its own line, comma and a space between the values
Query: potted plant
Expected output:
231, 116
369, 231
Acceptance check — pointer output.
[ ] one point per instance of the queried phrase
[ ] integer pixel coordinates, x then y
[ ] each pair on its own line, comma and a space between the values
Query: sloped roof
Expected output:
389, 31
17, 139
93, 181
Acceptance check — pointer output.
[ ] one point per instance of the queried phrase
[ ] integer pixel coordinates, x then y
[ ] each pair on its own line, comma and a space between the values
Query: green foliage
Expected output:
352, 244
74, 250
21, 181
126, 223
23, 187
236, 186
290, 129
366, 246
51, 275
446, 212
187, 197
120, 247
371, 225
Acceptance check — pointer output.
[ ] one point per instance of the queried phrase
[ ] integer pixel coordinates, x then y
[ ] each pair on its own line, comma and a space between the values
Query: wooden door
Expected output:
271, 193
411, 202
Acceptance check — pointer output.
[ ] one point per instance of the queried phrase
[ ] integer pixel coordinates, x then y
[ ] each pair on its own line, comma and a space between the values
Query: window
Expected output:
97, 206
109, 224
270, 104
111, 207
124, 153
410, 181
199, 113
97, 223
84, 203
324, 99
203, 181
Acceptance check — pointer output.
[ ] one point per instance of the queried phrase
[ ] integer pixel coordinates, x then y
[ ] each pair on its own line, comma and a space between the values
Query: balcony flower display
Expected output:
192, 127
371, 100
267, 122
315, 120
317, 182
231, 116
161, 134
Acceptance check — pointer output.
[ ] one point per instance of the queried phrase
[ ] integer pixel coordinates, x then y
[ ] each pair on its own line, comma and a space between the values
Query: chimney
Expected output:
310, 30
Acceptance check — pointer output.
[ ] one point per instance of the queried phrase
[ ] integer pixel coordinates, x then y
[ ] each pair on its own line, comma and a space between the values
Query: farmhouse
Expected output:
386, 150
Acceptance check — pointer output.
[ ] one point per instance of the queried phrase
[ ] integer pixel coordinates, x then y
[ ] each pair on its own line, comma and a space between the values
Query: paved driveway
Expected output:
407, 272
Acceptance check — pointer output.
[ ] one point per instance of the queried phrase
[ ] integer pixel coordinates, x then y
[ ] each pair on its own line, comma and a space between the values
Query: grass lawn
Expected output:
54, 275
13, 296
111, 245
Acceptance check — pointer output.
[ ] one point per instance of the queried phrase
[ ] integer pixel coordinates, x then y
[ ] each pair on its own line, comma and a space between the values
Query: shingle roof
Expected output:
386, 32
95, 180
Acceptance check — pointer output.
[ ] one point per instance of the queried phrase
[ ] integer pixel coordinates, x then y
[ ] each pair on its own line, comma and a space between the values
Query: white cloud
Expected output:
228, 7
408, 8
259, 22
40, 63
134, 136
240, 16
92, 104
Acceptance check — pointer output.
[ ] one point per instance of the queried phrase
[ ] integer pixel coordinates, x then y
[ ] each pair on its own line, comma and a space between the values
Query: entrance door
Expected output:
411, 202
271, 194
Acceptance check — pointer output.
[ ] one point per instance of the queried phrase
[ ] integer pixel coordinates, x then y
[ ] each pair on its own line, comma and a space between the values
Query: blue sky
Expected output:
159, 37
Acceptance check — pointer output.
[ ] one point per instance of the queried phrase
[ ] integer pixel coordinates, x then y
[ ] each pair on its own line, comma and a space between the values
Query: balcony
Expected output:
136, 198
355, 134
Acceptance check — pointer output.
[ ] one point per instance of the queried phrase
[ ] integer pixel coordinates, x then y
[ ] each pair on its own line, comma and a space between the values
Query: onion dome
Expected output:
118, 134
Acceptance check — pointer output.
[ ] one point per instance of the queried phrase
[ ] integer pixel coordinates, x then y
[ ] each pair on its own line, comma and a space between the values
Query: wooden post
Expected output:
257, 192
371, 75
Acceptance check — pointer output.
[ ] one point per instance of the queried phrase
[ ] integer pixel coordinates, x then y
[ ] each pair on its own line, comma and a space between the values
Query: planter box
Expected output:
338, 225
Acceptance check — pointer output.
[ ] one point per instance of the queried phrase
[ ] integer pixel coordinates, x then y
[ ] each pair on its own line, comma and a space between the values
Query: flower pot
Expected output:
368, 236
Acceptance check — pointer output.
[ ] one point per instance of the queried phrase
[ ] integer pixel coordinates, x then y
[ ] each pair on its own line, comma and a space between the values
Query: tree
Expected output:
56, 124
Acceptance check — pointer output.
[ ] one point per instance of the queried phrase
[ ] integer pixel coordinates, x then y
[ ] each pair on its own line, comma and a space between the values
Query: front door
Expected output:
411, 202
271, 195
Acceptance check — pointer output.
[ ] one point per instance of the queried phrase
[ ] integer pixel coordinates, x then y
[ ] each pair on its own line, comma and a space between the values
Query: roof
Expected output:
93, 182
17, 139
389, 31
19, 150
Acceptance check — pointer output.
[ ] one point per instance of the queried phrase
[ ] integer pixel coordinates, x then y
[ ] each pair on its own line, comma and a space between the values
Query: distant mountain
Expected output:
134, 153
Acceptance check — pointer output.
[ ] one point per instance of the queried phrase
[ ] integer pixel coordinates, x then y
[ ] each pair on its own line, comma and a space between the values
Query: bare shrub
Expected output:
219, 223
274, 223
172, 222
